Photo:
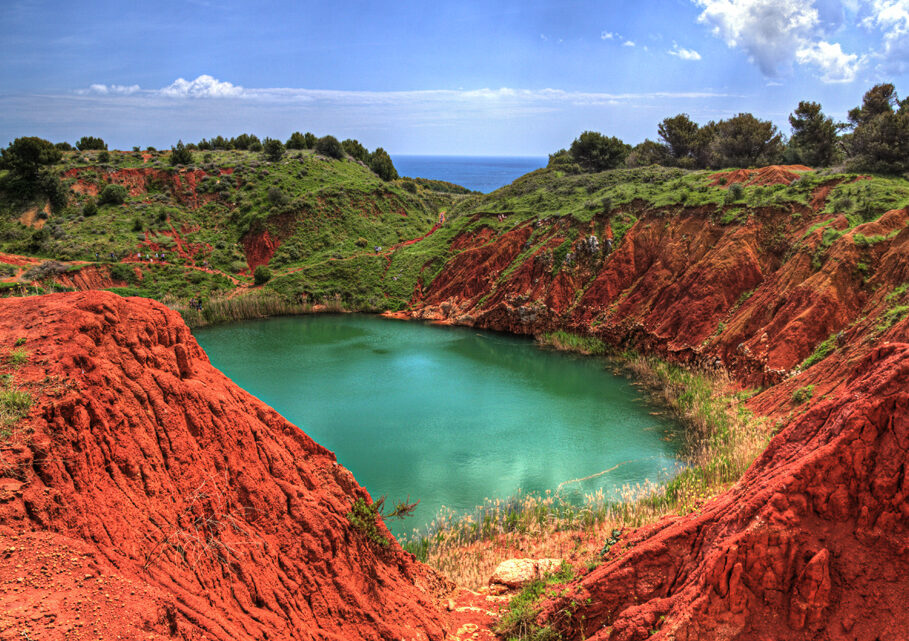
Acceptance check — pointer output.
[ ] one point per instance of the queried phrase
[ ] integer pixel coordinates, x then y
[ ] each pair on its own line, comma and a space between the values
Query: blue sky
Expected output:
443, 77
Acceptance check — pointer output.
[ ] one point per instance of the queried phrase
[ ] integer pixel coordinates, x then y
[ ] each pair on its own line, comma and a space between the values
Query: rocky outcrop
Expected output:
143, 470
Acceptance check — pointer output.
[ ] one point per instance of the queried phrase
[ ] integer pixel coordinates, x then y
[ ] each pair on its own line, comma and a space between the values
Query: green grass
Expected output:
518, 622
822, 351
14, 406
17, 357
803, 394
569, 342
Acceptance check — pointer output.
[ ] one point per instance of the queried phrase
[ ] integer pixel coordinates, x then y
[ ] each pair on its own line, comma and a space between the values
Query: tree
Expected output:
879, 141
301, 141
64, 146
248, 142
648, 153
745, 141
28, 160
26, 157
680, 134
329, 146
180, 155
272, 149
814, 136
595, 152
381, 165
90, 143
354, 149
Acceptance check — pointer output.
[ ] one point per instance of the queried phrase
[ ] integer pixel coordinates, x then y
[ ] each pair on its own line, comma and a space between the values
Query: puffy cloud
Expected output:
834, 64
607, 35
891, 17
770, 31
682, 53
202, 87
628, 43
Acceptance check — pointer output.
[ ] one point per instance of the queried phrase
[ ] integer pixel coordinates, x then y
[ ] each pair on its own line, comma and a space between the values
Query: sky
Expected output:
501, 77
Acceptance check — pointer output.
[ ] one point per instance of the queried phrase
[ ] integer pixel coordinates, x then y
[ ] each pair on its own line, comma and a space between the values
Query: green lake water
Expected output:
450, 416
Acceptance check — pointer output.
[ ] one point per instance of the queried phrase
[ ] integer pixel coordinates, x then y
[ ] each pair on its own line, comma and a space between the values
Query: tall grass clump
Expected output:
568, 342
225, 309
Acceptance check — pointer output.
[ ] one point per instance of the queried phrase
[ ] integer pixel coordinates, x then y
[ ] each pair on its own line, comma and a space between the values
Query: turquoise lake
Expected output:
447, 415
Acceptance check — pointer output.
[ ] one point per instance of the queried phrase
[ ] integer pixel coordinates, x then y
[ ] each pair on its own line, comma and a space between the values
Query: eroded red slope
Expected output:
812, 543
194, 503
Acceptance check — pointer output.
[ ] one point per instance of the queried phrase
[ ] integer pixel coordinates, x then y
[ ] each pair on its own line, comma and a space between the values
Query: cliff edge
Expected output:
146, 493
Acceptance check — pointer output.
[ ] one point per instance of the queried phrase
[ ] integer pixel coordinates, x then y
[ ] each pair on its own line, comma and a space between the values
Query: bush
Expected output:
262, 275
381, 165
329, 146
90, 208
272, 150
180, 155
90, 143
112, 195
355, 150
276, 197
803, 394
104, 156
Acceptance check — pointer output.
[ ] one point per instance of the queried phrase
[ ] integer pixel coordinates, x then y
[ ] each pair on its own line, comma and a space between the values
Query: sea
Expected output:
477, 173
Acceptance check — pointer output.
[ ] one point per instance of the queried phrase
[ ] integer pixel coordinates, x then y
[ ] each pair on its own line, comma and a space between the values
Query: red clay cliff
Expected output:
147, 495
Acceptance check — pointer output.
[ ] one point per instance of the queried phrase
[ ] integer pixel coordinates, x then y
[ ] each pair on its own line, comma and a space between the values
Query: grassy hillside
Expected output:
215, 221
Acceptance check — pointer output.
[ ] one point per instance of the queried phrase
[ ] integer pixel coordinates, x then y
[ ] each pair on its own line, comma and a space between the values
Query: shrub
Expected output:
276, 197
803, 394
89, 143
112, 195
363, 517
272, 150
410, 186
381, 165
262, 275
104, 157
362, 242
90, 208
180, 155
735, 193
354, 149
329, 146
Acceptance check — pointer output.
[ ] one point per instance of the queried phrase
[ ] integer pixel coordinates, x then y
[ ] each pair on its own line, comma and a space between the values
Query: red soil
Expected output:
137, 180
149, 496
259, 248
772, 175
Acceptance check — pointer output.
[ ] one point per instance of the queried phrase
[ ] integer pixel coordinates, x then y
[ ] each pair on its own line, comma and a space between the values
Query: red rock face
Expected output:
190, 500
812, 543
755, 298
183, 184
259, 248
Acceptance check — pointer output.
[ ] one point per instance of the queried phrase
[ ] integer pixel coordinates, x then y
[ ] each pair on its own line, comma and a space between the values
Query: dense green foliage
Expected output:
814, 136
90, 143
180, 155
380, 163
879, 141
272, 150
595, 152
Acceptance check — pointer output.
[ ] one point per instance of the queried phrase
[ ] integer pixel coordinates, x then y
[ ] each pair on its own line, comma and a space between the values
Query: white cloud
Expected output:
891, 17
543, 36
776, 33
628, 43
834, 64
202, 87
208, 87
101, 89
682, 53
770, 31
607, 35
